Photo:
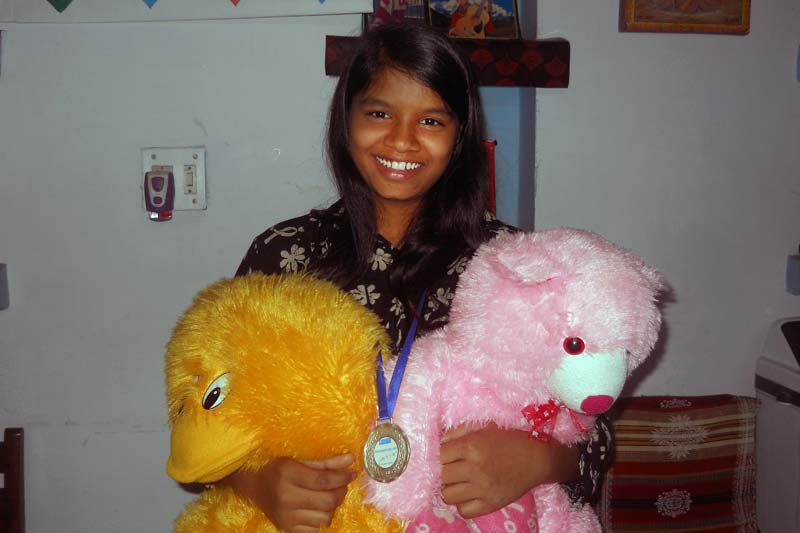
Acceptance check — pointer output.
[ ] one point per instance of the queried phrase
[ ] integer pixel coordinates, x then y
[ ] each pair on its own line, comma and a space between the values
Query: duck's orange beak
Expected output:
204, 448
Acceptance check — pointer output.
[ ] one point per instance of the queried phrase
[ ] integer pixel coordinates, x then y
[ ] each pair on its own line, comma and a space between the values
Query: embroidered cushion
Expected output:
683, 463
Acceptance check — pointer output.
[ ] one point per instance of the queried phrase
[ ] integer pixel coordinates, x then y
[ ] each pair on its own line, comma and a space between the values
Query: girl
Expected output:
404, 144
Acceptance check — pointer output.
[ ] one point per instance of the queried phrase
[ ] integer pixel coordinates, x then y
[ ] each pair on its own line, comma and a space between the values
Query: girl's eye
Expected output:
378, 114
574, 345
431, 122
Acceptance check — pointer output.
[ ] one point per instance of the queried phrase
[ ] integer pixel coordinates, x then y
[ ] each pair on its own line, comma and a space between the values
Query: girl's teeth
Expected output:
398, 165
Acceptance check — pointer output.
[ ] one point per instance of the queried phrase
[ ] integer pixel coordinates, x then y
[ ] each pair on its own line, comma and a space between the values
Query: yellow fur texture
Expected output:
299, 355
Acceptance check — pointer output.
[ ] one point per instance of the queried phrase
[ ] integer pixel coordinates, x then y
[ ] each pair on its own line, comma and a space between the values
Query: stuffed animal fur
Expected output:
560, 315
260, 367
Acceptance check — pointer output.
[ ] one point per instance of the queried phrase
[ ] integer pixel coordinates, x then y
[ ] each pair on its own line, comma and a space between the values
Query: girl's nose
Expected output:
402, 138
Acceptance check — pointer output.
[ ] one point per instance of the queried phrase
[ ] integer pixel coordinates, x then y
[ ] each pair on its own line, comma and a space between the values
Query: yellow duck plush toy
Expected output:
261, 367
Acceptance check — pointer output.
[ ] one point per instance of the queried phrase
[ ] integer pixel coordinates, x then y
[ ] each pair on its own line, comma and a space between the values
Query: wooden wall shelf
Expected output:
515, 63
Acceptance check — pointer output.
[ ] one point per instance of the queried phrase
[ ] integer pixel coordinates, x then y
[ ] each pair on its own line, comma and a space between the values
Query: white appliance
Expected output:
778, 429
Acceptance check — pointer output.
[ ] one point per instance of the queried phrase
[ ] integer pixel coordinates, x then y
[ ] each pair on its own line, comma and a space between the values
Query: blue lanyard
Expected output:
386, 405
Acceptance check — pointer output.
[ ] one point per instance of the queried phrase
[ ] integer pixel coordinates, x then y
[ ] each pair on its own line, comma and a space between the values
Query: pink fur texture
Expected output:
518, 300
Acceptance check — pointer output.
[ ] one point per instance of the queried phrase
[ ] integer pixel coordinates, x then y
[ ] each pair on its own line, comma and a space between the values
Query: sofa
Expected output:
682, 464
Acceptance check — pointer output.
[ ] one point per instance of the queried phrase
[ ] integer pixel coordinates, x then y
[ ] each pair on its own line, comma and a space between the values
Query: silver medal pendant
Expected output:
386, 452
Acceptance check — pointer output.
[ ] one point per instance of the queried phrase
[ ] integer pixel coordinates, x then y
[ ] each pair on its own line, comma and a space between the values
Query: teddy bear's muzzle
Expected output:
589, 383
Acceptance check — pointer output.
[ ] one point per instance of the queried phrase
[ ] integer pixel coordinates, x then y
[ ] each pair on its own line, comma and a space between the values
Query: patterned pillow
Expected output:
683, 463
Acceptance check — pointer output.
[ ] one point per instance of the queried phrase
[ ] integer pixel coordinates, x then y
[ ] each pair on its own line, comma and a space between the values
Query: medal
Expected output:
386, 451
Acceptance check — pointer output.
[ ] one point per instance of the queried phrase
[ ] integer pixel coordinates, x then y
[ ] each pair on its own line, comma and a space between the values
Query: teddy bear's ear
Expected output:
657, 281
517, 257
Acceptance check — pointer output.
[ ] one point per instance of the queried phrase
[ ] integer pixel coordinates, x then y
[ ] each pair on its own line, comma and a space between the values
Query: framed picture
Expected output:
396, 11
685, 16
475, 19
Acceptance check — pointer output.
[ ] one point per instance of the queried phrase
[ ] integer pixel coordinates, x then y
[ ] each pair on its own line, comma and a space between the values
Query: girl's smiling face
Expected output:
402, 135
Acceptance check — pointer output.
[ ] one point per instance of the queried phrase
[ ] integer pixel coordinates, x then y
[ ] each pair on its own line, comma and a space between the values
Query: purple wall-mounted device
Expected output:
159, 194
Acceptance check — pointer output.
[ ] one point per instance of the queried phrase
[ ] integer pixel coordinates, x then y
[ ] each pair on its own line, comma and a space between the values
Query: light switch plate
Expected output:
188, 167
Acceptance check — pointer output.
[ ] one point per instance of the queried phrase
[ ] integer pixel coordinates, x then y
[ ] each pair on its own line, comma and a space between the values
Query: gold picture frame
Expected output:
685, 16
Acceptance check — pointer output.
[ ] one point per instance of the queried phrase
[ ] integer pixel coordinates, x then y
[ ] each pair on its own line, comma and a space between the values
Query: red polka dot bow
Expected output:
542, 419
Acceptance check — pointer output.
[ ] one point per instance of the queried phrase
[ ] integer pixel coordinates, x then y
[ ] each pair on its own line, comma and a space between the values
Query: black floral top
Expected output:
295, 244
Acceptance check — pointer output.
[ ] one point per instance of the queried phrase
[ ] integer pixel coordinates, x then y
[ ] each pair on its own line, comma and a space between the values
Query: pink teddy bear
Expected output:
544, 330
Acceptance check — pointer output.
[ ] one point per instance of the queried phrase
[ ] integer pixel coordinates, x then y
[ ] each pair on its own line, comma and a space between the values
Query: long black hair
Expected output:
449, 218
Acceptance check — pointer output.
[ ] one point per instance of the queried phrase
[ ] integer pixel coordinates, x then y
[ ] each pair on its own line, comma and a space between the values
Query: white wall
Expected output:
683, 148
95, 286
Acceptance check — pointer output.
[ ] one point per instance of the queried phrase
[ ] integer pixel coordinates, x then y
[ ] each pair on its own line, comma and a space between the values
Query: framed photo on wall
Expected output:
685, 16
396, 11
475, 19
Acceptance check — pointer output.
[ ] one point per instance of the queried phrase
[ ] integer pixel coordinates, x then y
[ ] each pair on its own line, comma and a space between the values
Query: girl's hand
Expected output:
296, 497
483, 470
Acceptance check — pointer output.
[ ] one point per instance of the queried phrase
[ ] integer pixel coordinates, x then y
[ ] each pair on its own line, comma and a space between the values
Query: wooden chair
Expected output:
12, 494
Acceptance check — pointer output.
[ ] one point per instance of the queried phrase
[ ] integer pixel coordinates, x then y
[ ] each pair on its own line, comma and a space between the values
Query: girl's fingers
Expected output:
459, 493
337, 462
323, 480
308, 520
456, 472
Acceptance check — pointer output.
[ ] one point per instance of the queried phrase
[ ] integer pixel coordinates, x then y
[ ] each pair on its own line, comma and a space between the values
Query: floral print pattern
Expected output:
365, 295
380, 259
292, 258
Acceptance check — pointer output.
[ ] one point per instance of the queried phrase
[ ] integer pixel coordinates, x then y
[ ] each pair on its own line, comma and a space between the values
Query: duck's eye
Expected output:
216, 392
574, 345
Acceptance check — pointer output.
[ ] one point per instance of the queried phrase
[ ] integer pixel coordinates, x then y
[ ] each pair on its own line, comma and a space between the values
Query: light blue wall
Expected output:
502, 108
511, 118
